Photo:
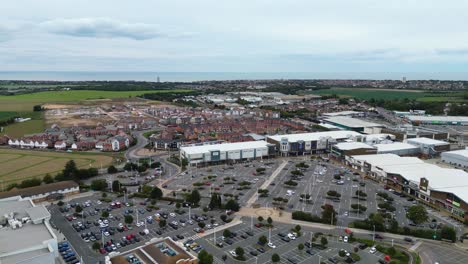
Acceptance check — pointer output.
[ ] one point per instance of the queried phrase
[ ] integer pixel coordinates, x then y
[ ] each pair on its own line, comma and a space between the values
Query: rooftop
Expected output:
351, 122
426, 141
462, 152
394, 146
44, 188
387, 159
438, 118
225, 147
316, 136
353, 145
342, 113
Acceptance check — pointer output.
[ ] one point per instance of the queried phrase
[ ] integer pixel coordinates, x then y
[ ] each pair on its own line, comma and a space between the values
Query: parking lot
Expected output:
239, 180
247, 237
112, 231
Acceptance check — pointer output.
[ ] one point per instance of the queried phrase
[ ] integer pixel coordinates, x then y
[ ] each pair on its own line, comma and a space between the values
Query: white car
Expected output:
372, 250
139, 224
271, 245
172, 215
233, 253
291, 236
106, 234
345, 239
98, 202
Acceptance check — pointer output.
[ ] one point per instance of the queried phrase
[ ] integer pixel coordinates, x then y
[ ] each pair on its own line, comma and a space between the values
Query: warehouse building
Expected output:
429, 147
403, 133
371, 165
341, 150
309, 143
45, 192
398, 148
439, 120
227, 152
457, 158
354, 124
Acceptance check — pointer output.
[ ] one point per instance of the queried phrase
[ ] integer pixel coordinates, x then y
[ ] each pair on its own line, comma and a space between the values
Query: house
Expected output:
60, 145
4, 140
41, 144
13, 143
26, 143
119, 143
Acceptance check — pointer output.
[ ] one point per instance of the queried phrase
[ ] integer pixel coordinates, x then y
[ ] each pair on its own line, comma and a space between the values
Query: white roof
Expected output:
225, 147
426, 141
387, 159
329, 126
438, 118
353, 145
316, 136
394, 146
351, 122
380, 136
342, 113
462, 153
441, 179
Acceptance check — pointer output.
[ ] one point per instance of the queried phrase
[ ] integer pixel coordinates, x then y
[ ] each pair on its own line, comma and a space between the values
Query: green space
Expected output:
7, 115
367, 94
23, 104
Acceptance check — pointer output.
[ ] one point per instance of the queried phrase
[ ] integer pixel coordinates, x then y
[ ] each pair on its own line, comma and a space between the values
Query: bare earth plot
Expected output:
18, 165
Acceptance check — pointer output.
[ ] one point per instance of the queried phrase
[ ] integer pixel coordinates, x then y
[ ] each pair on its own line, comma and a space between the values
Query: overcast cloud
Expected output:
241, 35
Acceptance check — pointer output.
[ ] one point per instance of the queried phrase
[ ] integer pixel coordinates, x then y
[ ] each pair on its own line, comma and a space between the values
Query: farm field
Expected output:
18, 165
367, 94
25, 102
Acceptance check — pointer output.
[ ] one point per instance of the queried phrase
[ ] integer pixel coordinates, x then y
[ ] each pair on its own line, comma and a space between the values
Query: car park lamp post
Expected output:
373, 236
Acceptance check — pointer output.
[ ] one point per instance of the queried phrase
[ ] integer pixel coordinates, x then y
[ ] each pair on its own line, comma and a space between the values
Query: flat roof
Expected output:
316, 136
441, 179
395, 146
351, 122
30, 235
463, 153
427, 141
438, 118
387, 159
353, 145
38, 213
342, 113
225, 147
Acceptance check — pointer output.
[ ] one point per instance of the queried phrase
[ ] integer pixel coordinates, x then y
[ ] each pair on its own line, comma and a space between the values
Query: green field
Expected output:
18, 165
367, 94
25, 102
7, 115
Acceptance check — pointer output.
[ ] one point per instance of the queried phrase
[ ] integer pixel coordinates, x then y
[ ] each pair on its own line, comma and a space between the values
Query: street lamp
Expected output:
373, 237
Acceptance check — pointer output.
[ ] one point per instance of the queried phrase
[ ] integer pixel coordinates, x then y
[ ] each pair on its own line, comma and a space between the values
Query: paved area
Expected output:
445, 254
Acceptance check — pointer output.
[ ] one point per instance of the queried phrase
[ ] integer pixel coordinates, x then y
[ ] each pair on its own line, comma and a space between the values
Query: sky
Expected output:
234, 36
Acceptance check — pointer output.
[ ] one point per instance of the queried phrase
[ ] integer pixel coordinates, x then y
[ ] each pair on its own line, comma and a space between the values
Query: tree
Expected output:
300, 247
240, 252
99, 185
162, 223
201, 225
262, 240
70, 170
297, 228
215, 201
232, 205
328, 214
105, 214
226, 233
37, 108
269, 220
260, 219
30, 183
96, 246
78, 209
48, 179
116, 186
275, 258
178, 205
194, 197
112, 169
417, 214
204, 257
128, 219
156, 193
449, 233
324, 241
60, 203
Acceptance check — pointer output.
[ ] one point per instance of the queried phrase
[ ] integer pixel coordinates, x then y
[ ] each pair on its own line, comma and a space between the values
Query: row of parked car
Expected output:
68, 255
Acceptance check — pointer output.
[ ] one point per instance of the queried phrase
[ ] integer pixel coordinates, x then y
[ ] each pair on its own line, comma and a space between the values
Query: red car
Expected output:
258, 225
207, 183
129, 237
102, 251
69, 218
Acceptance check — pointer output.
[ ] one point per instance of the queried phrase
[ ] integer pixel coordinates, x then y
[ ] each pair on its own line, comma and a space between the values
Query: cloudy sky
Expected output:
236, 35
